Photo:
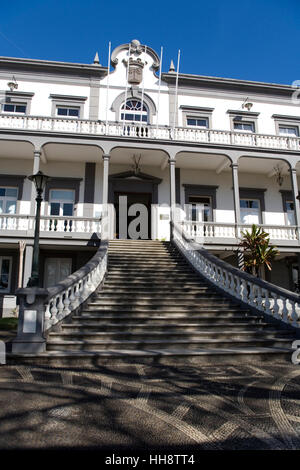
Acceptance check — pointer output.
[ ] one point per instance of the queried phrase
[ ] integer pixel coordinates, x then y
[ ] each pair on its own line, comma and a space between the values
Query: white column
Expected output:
236, 195
106, 159
172, 165
296, 201
107, 223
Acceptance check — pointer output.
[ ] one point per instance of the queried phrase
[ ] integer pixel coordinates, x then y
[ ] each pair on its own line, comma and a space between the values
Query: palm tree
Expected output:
257, 244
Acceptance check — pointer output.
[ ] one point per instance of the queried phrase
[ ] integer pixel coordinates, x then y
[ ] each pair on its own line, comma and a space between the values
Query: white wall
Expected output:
41, 104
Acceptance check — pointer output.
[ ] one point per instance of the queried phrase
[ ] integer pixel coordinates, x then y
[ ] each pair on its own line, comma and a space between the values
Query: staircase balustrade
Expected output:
265, 297
40, 309
70, 293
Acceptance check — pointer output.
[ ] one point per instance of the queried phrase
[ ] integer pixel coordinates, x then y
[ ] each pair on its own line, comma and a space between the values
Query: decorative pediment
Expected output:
137, 176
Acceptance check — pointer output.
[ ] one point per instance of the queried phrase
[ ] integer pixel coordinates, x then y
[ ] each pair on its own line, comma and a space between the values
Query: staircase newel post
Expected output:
32, 306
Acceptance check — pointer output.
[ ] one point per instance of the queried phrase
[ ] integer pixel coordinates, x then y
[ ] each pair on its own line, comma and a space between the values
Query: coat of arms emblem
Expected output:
135, 73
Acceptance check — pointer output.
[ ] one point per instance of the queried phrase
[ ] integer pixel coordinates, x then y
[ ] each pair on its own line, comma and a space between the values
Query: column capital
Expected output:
293, 170
37, 153
172, 161
106, 157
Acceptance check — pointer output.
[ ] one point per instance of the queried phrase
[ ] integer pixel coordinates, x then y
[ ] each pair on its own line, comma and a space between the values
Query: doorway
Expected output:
133, 198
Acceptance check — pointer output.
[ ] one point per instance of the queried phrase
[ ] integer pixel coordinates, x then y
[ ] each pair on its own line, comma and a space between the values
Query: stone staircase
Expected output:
154, 308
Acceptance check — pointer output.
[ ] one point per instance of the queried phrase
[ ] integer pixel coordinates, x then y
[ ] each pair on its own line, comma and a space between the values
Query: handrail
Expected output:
70, 293
273, 300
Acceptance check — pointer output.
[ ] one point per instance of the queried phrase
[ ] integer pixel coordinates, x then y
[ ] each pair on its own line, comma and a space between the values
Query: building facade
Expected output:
222, 153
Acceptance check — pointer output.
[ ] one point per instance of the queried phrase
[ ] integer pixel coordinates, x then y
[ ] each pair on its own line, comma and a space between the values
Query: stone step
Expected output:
177, 290
139, 296
167, 285
152, 262
159, 303
176, 317
185, 329
168, 268
155, 275
164, 255
162, 309
174, 357
144, 254
98, 345
141, 249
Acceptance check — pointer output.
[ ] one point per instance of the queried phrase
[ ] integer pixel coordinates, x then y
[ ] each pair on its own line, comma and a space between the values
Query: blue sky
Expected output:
251, 40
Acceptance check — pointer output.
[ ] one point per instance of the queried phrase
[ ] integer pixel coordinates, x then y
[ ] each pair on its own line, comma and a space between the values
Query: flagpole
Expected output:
176, 91
159, 85
143, 88
127, 72
107, 87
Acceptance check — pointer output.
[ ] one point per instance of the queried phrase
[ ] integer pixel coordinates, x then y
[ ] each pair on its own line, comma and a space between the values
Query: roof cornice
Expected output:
229, 84
54, 67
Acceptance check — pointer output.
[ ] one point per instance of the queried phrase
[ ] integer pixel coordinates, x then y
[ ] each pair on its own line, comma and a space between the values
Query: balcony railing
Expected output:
50, 225
212, 230
146, 132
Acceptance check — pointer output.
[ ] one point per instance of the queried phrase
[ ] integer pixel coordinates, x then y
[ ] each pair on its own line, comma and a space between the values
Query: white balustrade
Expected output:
144, 131
79, 286
263, 296
51, 224
206, 230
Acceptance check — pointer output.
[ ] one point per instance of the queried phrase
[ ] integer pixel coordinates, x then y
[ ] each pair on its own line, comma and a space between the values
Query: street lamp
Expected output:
40, 181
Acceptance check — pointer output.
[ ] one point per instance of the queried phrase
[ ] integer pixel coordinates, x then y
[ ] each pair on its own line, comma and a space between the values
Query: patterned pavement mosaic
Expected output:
249, 407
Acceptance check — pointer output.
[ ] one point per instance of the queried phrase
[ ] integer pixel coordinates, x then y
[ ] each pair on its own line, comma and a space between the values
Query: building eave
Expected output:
228, 84
53, 67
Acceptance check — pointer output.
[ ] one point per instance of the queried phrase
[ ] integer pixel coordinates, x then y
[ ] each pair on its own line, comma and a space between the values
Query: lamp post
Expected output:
40, 181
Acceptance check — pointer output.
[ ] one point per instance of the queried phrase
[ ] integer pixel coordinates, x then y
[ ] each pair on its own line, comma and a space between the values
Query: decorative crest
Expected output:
136, 164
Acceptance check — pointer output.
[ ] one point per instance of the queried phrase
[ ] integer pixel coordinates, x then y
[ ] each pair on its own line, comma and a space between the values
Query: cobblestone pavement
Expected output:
127, 406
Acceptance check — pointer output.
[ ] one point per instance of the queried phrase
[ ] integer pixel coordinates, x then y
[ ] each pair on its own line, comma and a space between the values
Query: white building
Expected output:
228, 147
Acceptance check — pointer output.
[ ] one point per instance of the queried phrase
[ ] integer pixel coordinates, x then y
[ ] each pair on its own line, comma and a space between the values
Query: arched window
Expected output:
134, 112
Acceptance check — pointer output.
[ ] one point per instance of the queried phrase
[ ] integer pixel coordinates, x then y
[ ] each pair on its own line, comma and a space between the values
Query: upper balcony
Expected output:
148, 132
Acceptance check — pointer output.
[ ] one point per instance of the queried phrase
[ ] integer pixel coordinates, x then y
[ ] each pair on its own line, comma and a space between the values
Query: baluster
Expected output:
231, 286
53, 311
242, 290
267, 301
47, 317
275, 306
60, 308
227, 281
67, 309
284, 314
87, 287
294, 315
251, 294
77, 295
72, 298
259, 298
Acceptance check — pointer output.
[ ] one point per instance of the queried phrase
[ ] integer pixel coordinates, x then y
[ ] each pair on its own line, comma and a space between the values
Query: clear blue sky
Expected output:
251, 40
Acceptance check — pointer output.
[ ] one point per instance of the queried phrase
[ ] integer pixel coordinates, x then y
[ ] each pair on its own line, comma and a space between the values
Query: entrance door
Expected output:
56, 269
133, 198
